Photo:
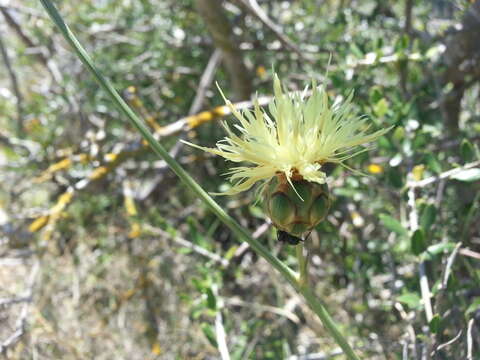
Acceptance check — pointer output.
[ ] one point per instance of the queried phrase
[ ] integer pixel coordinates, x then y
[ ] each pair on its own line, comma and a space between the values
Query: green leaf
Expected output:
473, 307
436, 249
433, 164
211, 299
256, 211
381, 108
412, 300
435, 323
355, 50
427, 219
376, 94
184, 250
398, 135
420, 141
231, 252
384, 143
417, 241
402, 42
467, 175
393, 224
395, 177
210, 334
467, 151
198, 284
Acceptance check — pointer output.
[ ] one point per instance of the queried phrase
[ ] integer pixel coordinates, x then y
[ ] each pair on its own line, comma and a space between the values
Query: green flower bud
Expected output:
296, 210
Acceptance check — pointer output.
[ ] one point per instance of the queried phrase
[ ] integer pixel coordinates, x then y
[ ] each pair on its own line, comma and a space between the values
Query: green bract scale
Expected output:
296, 209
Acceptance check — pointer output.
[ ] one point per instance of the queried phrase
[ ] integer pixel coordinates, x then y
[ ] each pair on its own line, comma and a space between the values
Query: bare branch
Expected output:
205, 82
444, 175
15, 87
51, 67
223, 37
257, 11
470, 340
469, 253
450, 342
448, 267
424, 286
22, 319
189, 245
264, 308
221, 336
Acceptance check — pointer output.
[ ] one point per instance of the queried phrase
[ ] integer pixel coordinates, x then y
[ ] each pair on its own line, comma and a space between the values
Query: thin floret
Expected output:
296, 139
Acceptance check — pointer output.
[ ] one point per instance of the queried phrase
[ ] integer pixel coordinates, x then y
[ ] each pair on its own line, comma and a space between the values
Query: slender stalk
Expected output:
319, 308
236, 228
316, 304
302, 265
160, 150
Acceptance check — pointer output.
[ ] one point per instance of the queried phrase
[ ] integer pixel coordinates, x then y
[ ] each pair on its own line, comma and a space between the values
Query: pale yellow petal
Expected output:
296, 136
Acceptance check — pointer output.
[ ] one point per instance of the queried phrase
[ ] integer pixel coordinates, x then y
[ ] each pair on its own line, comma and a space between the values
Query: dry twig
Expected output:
257, 11
22, 319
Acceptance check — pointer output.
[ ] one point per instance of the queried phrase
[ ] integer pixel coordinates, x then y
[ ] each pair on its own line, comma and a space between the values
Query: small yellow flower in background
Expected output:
418, 171
261, 72
135, 230
375, 169
290, 144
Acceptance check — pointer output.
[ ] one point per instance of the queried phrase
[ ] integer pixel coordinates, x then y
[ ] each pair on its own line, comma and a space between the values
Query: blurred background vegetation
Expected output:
105, 255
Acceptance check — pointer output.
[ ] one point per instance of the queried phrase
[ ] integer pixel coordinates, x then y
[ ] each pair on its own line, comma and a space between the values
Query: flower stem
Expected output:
302, 265
160, 150
316, 304
319, 308
236, 228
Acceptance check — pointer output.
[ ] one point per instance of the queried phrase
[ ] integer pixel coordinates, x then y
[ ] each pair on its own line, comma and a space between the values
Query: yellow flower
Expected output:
375, 169
294, 140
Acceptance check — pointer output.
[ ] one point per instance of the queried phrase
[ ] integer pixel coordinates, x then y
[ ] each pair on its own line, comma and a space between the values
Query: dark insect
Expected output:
287, 238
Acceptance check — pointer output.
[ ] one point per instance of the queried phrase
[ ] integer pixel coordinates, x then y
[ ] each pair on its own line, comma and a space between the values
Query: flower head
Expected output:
294, 140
